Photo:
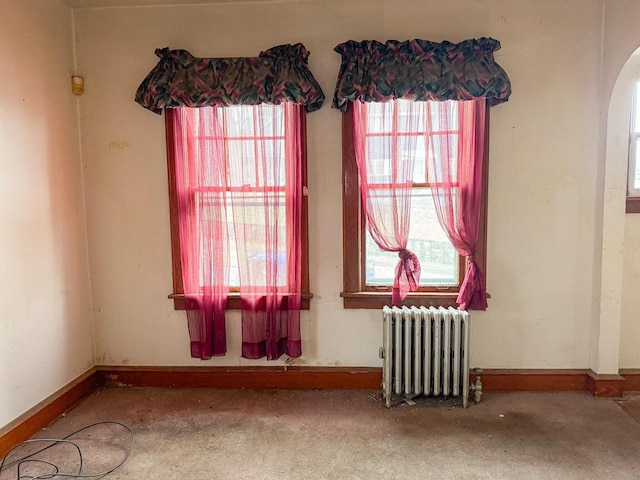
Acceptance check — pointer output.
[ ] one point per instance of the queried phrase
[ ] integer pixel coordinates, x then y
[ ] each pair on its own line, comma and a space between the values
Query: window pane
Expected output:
379, 117
427, 240
209, 207
420, 166
633, 175
273, 152
636, 118
411, 152
411, 116
636, 178
251, 213
379, 151
250, 133
241, 163
443, 145
239, 121
444, 115
272, 124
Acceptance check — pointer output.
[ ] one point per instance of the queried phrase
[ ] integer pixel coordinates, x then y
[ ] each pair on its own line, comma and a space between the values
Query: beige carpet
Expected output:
250, 434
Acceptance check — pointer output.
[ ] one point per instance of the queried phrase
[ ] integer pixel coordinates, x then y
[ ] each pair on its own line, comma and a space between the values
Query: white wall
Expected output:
620, 70
45, 323
561, 258
542, 270
630, 319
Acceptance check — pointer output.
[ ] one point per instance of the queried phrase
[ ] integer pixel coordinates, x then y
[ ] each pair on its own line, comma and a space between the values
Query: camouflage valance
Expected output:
277, 75
420, 70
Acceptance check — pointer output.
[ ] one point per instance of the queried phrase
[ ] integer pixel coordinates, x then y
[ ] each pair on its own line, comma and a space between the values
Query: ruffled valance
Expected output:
420, 70
277, 75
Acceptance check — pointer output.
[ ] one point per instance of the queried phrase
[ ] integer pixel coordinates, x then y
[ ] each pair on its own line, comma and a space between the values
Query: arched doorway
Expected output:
608, 347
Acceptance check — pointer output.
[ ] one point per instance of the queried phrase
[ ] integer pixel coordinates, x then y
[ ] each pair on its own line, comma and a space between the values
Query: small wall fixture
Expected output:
77, 85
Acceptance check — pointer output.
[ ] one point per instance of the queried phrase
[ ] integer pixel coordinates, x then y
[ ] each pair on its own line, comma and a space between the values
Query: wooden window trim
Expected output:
632, 205
233, 301
633, 196
355, 293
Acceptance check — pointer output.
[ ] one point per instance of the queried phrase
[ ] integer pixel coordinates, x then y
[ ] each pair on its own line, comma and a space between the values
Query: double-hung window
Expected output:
386, 130
369, 271
415, 166
242, 170
236, 154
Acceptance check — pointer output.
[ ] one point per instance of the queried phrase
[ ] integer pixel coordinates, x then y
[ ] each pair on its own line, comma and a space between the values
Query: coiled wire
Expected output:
30, 461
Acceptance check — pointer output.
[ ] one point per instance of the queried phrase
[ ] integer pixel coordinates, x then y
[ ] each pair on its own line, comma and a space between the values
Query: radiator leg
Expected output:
409, 399
476, 387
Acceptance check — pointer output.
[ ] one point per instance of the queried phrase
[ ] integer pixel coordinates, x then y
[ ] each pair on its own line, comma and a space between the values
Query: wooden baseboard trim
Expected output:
606, 385
559, 381
631, 379
493, 380
45, 412
519, 380
244, 377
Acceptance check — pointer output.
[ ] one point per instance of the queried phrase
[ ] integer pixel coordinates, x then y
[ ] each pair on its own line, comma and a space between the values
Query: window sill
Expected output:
633, 205
233, 301
376, 300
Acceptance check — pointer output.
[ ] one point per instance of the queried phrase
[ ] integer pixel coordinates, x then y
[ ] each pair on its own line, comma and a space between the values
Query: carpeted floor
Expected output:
252, 434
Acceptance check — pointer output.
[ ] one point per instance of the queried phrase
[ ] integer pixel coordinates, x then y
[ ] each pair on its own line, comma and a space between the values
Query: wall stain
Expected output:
119, 145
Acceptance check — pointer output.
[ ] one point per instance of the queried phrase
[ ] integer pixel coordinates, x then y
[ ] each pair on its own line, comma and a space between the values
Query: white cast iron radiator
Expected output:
425, 352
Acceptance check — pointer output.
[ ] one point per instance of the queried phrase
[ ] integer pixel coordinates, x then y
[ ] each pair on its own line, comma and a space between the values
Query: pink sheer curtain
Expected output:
239, 183
455, 174
385, 142
201, 184
266, 194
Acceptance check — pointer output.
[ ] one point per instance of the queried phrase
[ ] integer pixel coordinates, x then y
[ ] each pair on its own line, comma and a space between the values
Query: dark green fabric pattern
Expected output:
277, 75
420, 70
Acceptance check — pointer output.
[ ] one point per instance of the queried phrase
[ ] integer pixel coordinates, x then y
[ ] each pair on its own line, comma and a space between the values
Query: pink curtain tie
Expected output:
405, 253
407, 277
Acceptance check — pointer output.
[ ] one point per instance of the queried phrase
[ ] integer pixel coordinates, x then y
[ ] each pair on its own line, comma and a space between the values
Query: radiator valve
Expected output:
476, 387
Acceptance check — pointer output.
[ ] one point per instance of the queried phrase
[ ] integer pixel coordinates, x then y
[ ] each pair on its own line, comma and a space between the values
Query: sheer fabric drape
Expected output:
201, 186
266, 195
423, 72
455, 175
239, 190
385, 144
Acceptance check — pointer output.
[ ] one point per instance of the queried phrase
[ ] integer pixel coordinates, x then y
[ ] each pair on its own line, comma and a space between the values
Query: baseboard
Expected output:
493, 380
553, 380
45, 412
244, 377
521, 380
606, 385
631, 379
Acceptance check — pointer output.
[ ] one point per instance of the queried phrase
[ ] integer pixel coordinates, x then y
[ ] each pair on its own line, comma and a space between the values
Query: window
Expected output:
369, 272
439, 260
633, 175
237, 220
244, 135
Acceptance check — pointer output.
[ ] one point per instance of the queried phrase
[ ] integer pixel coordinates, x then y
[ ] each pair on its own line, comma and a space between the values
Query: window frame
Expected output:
356, 294
633, 194
234, 299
